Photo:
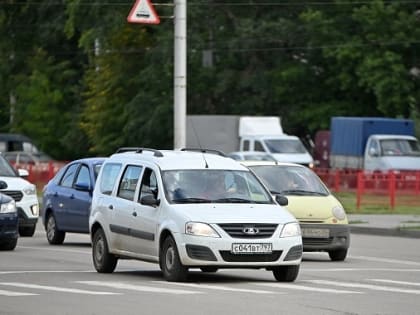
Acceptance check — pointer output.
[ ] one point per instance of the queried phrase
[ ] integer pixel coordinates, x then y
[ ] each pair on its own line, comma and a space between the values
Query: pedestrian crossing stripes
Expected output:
312, 286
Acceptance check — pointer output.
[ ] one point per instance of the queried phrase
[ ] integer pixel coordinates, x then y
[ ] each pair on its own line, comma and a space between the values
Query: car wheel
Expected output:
54, 236
103, 261
209, 269
338, 255
171, 266
286, 273
27, 230
8, 245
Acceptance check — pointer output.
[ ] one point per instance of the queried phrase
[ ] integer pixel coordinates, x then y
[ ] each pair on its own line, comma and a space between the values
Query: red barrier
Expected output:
41, 173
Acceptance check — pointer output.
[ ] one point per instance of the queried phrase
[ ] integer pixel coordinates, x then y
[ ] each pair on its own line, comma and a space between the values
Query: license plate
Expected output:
252, 248
318, 233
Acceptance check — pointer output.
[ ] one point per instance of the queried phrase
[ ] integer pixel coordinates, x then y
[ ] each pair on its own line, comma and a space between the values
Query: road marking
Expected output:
53, 288
305, 288
358, 269
215, 287
126, 286
12, 293
364, 286
387, 260
396, 282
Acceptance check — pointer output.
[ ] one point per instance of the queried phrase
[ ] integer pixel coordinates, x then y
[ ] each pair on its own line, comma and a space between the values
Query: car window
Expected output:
5, 168
128, 183
83, 176
258, 146
96, 169
109, 177
148, 184
69, 175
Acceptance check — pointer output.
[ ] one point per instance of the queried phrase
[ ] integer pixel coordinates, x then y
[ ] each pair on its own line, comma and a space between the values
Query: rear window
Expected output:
109, 177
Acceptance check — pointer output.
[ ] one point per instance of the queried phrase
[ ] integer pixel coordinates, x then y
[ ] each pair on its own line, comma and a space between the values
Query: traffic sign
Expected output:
143, 12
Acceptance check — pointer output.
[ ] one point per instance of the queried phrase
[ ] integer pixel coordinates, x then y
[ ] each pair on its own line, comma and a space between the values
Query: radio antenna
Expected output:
199, 144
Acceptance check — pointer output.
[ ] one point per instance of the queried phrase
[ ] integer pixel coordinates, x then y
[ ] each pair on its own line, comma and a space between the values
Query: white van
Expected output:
184, 210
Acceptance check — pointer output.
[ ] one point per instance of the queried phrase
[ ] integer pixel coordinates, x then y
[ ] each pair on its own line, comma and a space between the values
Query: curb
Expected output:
384, 231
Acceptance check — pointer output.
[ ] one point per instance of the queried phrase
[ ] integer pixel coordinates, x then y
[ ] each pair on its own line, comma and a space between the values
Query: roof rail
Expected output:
205, 151
156, 153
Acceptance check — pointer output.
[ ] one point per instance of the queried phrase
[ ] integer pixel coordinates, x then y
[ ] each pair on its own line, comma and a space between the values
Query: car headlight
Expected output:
30, 190
9, 207
290, 229
339, 213
200, 229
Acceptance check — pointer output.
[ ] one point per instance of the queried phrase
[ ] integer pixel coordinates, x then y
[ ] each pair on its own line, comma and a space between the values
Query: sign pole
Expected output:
180, 73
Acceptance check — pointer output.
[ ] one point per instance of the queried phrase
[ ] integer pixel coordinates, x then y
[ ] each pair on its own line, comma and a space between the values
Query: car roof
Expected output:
89, 160
177, 159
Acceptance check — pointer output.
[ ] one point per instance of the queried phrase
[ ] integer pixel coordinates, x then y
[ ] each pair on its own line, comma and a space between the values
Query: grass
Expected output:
377, 204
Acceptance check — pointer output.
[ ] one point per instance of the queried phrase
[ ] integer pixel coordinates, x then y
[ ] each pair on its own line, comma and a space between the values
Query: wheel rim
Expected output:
99, 249
169, 258
50, 227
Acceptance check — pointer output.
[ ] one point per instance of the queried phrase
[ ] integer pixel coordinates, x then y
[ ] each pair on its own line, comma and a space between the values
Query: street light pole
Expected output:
180, 73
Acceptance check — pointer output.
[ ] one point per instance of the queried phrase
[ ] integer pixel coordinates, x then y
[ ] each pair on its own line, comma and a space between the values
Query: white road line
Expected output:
358, 269
12, 293
364, 286
387, 260
305, 288
396, 282
126, 286
215, 287
53, 288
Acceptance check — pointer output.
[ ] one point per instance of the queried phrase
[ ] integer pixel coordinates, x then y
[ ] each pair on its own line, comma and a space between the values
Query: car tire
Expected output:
286, 273
338, 255
103, 260
209, 269
171, 265
54, 236
8, 245
27, 230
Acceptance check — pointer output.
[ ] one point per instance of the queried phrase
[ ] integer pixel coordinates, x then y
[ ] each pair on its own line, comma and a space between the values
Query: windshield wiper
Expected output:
191, 200
233, 200
302, 192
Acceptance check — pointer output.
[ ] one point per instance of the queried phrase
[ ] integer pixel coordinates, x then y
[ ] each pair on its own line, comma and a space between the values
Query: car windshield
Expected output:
290, 180
5, 168
285, 146
214, 186
391, 147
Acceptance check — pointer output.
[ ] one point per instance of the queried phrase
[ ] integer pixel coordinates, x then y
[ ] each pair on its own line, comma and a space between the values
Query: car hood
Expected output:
235, 213
14, 183
312, 207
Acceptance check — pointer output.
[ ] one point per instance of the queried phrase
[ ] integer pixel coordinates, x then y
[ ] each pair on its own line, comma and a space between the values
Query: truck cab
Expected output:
397, 152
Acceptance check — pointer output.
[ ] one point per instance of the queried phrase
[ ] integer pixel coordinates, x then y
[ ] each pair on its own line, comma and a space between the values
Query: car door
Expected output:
123, 209
80, 200
62, 197
145, 221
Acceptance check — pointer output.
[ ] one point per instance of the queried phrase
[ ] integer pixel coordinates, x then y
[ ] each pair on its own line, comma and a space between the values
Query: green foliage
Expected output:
86, 82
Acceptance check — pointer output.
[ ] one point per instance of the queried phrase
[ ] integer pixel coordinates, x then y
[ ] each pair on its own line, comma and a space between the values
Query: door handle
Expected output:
111, 207
134, 214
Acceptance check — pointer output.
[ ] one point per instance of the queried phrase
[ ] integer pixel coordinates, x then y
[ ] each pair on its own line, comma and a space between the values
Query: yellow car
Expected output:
322, 218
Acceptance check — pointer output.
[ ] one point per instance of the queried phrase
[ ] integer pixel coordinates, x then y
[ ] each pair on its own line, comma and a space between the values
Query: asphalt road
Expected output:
380, 276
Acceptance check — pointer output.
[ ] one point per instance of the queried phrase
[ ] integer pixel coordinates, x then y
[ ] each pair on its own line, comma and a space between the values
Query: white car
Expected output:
24, 194
189, 210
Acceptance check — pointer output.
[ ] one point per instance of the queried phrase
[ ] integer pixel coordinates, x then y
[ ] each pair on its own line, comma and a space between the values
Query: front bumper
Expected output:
24, 219
8, 226
197, 251
338, 237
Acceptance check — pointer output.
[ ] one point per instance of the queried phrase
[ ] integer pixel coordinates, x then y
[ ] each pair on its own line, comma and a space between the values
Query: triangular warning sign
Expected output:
143, 12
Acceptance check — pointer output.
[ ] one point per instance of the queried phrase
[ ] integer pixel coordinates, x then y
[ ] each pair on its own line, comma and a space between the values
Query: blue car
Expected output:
67, 197
9, 223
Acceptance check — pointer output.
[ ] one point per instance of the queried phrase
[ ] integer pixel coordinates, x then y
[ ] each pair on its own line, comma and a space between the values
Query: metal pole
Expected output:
180, 73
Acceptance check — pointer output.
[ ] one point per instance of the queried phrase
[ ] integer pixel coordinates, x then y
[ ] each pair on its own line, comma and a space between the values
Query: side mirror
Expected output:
150, 200
82, 186
373, 152
282, 200
23, 173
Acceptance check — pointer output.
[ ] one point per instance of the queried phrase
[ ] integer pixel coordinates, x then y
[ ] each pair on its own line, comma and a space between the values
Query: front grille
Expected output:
15, 194
316, 241
229, 257
236, 230
200, 252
